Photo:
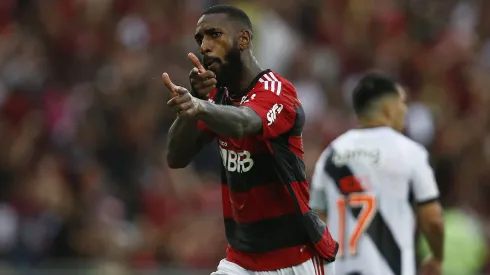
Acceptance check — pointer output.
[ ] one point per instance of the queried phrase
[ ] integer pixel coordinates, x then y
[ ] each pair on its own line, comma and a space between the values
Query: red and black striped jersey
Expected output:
264, 184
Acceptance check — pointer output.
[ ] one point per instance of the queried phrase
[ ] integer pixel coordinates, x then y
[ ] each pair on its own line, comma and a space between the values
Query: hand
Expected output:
202, 82
182, 102
431, 266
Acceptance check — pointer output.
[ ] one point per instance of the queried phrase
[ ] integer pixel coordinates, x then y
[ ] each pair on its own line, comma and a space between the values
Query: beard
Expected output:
230, 70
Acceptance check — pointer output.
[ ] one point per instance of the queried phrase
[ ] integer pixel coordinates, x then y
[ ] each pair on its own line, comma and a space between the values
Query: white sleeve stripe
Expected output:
271, 83
267, 77
273, 76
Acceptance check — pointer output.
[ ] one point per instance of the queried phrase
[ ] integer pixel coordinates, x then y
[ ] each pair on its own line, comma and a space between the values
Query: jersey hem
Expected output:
427, 201
273, 260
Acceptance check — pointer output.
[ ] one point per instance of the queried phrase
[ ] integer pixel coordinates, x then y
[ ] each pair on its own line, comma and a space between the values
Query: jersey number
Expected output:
365, 201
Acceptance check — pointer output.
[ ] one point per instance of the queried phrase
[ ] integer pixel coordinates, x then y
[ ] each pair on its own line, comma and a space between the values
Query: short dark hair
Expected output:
371, 87
233, 12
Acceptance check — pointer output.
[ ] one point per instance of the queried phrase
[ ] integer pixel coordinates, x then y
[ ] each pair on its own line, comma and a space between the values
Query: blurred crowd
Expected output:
83, 115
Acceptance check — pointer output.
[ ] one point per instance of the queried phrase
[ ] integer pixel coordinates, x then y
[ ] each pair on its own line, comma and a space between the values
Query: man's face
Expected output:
218, 43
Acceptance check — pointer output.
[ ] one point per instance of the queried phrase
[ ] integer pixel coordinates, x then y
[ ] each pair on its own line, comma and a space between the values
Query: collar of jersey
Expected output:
251, 86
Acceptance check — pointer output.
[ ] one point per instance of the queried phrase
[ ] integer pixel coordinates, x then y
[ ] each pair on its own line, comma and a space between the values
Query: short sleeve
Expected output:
423, 180
318, 196
278, 112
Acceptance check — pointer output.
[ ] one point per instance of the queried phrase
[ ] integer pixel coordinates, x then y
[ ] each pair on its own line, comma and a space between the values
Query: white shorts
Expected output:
307, 268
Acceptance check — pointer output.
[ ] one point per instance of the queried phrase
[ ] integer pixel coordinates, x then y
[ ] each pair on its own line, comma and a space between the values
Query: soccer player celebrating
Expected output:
257, 119
367, 182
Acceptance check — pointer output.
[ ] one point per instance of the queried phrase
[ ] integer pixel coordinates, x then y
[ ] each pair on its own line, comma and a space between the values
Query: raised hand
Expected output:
202, 81
182, 102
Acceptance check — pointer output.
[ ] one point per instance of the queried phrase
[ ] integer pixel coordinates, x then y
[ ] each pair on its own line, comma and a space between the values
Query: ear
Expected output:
388, 108
244, 39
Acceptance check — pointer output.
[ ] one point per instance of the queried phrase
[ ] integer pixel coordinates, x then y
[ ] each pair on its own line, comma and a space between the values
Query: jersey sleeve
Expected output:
423, 180
318, 195
278, 112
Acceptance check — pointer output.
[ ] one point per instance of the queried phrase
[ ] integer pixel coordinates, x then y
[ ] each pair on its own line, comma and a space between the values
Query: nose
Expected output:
206, 46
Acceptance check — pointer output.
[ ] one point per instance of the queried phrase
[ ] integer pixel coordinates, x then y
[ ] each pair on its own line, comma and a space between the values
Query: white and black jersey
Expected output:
367, 181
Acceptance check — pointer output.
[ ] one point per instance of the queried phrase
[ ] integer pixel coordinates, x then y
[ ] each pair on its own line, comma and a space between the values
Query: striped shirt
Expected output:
268, 222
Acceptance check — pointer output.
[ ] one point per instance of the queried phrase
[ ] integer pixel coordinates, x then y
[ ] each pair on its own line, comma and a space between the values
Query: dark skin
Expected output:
226, 47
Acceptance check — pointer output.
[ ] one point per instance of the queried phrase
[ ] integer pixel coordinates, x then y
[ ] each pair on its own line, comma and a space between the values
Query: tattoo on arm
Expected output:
230, 121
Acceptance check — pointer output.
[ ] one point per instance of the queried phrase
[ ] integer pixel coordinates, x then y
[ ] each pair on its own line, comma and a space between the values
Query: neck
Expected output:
373, 122
251, 68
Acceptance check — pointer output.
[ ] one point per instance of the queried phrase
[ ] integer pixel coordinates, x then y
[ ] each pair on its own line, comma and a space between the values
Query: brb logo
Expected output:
273, 112
240, 162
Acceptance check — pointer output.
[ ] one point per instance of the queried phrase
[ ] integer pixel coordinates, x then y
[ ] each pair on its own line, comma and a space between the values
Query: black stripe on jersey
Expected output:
289, 166
260, 174
266, 235
378, 230
297, 129
411, 195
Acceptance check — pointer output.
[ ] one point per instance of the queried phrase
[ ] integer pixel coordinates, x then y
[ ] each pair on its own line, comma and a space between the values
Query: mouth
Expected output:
210, 63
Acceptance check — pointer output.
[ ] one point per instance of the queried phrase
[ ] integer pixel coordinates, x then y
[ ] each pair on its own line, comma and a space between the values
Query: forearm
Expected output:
434, 234
230, 121
184, 140
431, 222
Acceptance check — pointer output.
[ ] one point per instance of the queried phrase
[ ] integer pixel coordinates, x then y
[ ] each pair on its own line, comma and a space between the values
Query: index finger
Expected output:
196, 62
170, 85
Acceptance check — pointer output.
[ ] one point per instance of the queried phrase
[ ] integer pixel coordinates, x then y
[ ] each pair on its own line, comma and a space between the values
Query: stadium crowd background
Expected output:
83, 119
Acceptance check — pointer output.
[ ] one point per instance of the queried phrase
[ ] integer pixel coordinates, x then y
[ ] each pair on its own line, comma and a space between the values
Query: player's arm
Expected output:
187, 136
185, 139
230, 121
265, 114
429, 210
318, 199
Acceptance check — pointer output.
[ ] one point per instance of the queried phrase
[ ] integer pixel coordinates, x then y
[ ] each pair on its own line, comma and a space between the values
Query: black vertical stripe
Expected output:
378, 230
266, 235
290, 168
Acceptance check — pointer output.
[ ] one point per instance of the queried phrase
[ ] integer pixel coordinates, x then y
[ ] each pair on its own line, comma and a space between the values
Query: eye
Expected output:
199, 40
217, 34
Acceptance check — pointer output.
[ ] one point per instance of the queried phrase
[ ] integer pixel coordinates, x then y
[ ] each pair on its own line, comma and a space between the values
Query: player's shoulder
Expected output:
322, 159
385, 137
272, 82
412, 147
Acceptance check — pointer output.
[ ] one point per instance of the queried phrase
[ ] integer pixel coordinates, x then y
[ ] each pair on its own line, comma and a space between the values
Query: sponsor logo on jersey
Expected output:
346, 156
245, 99
240, 162
273, 112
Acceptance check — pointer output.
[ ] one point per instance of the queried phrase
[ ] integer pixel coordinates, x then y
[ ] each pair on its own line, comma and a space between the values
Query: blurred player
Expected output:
257, 119
366, 183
